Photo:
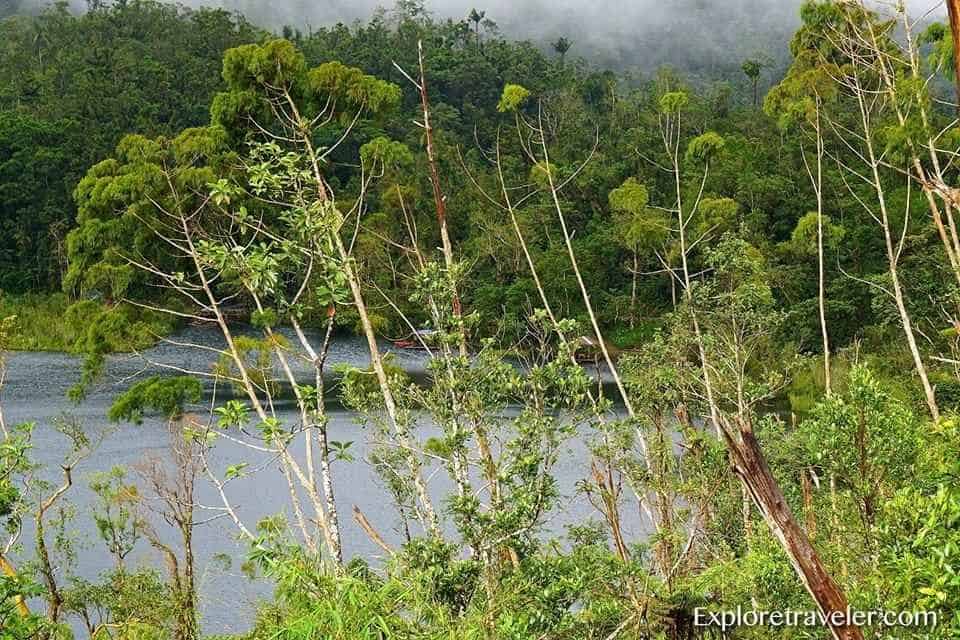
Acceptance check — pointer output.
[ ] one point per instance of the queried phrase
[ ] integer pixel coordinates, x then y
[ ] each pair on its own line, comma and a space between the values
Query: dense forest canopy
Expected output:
73, 85
736, 279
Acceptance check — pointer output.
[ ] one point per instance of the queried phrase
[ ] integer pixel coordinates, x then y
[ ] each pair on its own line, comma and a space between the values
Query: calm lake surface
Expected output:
36, 389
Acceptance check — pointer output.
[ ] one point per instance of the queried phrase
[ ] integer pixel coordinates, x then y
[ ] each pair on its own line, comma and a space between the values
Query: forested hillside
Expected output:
70, 88
738, 294
74, 86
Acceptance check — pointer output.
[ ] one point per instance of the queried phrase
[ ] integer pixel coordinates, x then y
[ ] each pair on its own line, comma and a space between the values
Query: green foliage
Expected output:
268, 189
513, 97
386, 152
166, 396
133, 604
705, 147
41, 322
638, 226
920, 539
276, 62
120, 201
115, 513
37, 170
752, 68
359, 387
439, 573
717, 216
804, 236
101, 330
673, 102
15, 461
863, 424
256, 73
37, 323
631, 197
938, 36
357, 89
233, 414
429, 593
255, 353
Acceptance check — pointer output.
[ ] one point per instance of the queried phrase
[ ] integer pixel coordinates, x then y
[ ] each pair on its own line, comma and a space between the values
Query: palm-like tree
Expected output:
752, 68
476, 17
561, 46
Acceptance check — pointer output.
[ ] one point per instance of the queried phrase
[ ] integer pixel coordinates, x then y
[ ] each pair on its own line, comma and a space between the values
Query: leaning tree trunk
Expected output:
754, 472
750, 465
425, 510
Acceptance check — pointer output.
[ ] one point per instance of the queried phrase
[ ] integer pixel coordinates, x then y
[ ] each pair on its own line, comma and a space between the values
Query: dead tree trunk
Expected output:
752, 469
748, 461
439, 199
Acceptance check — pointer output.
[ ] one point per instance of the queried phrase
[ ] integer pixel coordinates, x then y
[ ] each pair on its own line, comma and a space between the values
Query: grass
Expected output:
54, 322
39, 322
626, 338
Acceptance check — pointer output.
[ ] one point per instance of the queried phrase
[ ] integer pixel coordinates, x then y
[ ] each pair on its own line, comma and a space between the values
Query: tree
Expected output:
637, 228
117, 210
748, 461
72, 86
953, 12
173, 490
37, 166
208, 226
476, 17
752, 68
439, 199
863, 43
798, 101
561, 45
354, 94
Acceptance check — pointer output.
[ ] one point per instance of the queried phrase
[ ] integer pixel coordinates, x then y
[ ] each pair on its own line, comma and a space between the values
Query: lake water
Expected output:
35, 391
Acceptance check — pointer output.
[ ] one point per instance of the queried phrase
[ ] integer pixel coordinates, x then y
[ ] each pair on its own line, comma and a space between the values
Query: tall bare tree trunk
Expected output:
427, 514
508, 205
326, 476
865, 95
821, 279
440, 200
893, 255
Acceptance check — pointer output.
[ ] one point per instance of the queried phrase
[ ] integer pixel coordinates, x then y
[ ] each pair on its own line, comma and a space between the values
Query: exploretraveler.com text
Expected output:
741, 617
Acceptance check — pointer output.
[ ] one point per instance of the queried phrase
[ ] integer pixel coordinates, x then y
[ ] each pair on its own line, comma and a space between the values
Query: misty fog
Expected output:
700, 36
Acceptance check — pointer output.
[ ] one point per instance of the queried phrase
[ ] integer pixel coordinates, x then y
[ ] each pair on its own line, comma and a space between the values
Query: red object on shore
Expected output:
418, 340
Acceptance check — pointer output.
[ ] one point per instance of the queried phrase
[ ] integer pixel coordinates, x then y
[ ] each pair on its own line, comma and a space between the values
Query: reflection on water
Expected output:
35, 391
